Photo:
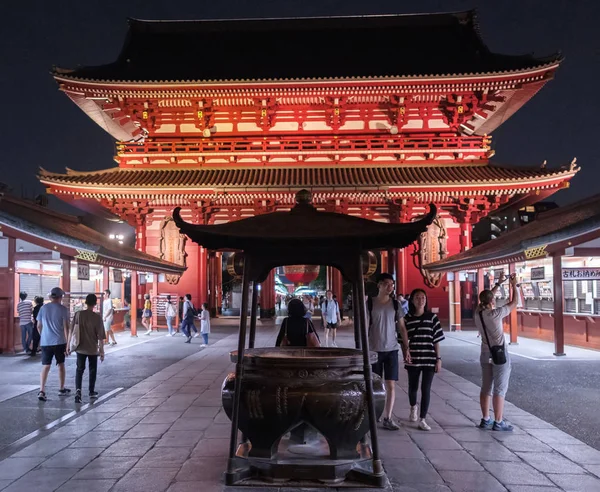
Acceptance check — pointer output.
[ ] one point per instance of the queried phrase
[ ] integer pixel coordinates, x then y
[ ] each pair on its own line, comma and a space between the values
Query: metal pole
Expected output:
239, 368
377, 467
356, 316
253, 315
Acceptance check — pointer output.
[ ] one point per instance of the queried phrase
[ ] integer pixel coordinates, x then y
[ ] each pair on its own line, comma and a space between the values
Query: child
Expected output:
204, 324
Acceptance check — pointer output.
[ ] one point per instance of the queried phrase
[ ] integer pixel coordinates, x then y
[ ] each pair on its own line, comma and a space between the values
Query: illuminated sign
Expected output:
581, 273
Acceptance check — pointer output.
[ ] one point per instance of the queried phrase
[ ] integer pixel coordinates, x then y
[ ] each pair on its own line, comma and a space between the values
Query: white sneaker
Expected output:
203, 345
414, 410
423, 425
333, 344
148, 332
169, 335
196, 335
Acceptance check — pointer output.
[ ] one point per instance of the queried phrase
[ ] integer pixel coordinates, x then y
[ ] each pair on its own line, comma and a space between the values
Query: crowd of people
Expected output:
396, 327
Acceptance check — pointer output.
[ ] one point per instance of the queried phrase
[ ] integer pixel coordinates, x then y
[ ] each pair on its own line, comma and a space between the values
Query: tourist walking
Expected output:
25, 312
494, 359
89, 345
296, 330
170, 316
309, 307
424, 335
108, 312
189, 313
204, 324
385, 323
330, 314
147, 314
403, 303
53, 324
39, 302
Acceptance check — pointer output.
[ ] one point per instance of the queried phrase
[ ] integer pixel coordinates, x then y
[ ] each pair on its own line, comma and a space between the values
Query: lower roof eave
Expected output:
483, 262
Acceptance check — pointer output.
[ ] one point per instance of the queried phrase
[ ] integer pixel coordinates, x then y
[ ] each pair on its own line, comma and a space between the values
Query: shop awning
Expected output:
67, 235
551, 232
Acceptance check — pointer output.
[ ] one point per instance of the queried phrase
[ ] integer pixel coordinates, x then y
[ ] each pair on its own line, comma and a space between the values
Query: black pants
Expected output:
36, 339
413, 386
93, 366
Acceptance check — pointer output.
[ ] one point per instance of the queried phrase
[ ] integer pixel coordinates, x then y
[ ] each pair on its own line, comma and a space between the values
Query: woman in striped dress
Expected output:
424, 334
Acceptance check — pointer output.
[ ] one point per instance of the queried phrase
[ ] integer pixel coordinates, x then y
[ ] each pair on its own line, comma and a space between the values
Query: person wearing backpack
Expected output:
330, 314
170, 315
494, 359
386, 322
189, 313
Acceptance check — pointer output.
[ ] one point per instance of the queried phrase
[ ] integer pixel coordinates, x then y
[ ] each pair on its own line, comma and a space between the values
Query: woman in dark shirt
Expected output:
38, 303
295, 327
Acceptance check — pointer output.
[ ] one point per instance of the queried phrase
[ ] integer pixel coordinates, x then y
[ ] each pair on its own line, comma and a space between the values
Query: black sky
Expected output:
41, 127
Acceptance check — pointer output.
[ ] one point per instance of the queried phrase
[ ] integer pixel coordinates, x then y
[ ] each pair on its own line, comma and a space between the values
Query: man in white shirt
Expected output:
108, 312
330, 312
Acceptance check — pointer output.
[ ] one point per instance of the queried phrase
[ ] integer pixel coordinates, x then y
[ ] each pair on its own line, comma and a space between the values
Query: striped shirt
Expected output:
423, 333
25, 310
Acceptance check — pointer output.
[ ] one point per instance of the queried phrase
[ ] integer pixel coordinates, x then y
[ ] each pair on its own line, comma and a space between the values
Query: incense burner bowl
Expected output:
283, 388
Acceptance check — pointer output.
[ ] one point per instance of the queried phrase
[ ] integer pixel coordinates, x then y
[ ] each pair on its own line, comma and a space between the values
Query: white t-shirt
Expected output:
382, 326
107, 306
170, 311
204, 321
493, 325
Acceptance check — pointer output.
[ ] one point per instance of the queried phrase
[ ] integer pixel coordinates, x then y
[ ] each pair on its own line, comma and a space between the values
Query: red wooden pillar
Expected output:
337, 285
140, 237
9, 289
384, 259
105, 278
329, 278
559, 325
219, 281
465, 236
513, 319
154, 297
480, 282
202, 275
455, 323
391, 262
267, 296
212, 283
133, 306
66, 280
401, 281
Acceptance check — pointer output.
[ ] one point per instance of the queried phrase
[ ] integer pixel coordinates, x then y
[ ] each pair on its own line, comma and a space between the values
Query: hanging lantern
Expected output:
369, 263
301, 274
235, 265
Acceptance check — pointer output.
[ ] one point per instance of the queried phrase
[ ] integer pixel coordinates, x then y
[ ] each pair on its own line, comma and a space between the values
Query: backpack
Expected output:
191, 312
370, 309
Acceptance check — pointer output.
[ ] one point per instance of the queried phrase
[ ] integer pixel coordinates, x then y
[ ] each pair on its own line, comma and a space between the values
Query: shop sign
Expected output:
117, 276
538, 273
581, 273
83, 271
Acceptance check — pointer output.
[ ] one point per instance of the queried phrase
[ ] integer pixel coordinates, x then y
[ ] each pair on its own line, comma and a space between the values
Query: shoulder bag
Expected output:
74, 342
498, 351
311, 338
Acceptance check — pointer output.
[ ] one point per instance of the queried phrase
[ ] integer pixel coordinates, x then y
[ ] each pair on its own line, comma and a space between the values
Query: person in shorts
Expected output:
53, 324
108, 312
494, 377
330, 312
385, 323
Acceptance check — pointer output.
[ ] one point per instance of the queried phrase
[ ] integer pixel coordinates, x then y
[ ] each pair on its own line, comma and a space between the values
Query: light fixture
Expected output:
120, 241
111, 236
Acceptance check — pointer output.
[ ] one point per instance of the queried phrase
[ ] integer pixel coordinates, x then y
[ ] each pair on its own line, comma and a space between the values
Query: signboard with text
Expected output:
117, 276
538, 273
83, 271
581, 273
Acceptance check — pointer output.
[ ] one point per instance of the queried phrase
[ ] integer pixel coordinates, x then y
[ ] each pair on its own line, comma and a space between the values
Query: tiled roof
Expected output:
296, 48
68, 231
314, 177
557, 225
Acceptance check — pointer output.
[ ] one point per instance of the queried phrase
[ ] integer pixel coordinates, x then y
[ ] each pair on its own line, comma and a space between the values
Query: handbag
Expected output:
498, 351
285, 342
74, 341
311, 338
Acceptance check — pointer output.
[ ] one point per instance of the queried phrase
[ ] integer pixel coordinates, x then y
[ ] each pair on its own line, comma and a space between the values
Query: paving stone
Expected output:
205, 401
409, 471
197, 486
118, 424
87, 486
211, 447
147, 431
5, 483
451, 419
130, 447
146, 480
551, 463
47, 446
510, 473
431, 441
394, 449
217, 430
97, 439
161, 417
418, 487
553, 436
195, 424
203, 470
42, 480
579, 453
133, 412
576, 483
106, 467
595, 469
180, 438
221, 417
471, 435
531, 422
452, 460
526, 444
150, 402
13, 468
164, 457
470, 481
532, 488
72, 458
201, 412
483, 451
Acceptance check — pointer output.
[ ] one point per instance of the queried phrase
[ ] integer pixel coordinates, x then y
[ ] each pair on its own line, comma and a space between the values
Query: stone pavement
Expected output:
169, 433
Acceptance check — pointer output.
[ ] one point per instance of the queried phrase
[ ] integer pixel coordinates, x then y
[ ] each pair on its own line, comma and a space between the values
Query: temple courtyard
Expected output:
159, 424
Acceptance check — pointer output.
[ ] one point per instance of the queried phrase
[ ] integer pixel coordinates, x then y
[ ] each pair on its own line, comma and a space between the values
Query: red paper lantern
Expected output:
301, 274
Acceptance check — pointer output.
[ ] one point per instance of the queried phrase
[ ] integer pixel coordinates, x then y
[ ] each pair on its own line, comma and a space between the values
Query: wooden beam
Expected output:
33, 256
559, 322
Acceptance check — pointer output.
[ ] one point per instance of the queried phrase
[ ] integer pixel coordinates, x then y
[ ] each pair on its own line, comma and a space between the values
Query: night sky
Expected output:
42, 127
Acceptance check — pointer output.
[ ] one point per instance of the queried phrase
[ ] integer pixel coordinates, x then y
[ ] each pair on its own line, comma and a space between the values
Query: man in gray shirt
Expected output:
385, 323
